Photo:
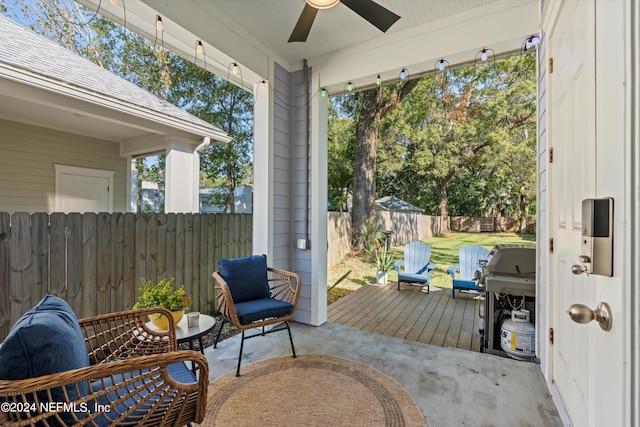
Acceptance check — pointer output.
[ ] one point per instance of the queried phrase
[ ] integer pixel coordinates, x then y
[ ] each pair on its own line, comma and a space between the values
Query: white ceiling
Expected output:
334, 29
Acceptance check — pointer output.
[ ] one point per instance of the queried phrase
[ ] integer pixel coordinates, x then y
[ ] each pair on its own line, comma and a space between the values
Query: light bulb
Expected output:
378, 81
114, 2
159, 24
322, 4
323, 92
531, 42
349, 86
484, 55
235, 69
403, 74
264, 84
199, 47
535, 40
441, 65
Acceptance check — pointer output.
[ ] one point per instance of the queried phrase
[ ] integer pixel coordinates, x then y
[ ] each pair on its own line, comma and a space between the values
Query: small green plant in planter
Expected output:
163, 294
384, 262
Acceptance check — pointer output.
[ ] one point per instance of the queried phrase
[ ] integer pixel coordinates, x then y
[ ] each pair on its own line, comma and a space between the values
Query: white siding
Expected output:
27, 156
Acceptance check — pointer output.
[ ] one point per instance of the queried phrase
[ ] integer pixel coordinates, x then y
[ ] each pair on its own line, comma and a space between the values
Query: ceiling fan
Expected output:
377, 15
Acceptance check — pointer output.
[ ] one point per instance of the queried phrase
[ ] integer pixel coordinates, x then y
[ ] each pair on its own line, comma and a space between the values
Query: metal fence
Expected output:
95, 261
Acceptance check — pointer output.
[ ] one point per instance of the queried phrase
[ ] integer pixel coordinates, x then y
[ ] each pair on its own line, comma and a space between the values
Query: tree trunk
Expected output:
139, 178
443, 210
364, 175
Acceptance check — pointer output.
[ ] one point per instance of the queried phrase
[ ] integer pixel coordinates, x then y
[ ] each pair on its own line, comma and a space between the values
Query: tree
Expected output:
231, 109
341, 143
470, 131
371, 106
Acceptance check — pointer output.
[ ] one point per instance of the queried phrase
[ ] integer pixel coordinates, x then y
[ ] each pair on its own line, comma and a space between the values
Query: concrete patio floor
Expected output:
453, 387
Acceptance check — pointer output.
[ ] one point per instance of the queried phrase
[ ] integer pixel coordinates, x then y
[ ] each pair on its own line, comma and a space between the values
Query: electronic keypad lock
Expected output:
596, 248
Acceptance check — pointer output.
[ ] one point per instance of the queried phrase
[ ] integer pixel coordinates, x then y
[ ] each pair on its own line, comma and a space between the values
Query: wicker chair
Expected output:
135, 376
252, 295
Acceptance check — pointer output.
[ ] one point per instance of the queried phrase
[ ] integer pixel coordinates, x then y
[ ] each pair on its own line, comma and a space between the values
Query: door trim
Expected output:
76, 170
633, 303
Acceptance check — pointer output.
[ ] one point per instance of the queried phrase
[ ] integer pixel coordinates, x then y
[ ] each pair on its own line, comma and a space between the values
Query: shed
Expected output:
398, 217
393, 204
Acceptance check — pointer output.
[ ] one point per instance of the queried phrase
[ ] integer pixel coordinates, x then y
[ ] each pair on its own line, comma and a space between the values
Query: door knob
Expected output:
580, 313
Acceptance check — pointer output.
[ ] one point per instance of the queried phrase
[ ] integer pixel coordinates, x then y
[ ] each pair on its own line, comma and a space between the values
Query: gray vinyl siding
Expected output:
542, 200
27, 157
281, 172
289, 182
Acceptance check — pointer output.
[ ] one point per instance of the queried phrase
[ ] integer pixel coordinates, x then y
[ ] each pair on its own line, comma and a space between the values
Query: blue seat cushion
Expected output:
466, 284
178, 371
246, 277
417, 278
47, 339
251, 311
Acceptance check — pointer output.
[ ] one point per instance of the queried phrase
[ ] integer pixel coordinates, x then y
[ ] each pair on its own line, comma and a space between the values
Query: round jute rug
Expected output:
309, 390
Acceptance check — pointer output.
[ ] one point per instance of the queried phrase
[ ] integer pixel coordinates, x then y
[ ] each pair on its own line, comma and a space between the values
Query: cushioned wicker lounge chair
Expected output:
251, 295
100, 371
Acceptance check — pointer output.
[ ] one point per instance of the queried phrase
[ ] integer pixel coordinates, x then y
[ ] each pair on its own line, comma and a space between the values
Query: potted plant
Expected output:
163, 294
384, 262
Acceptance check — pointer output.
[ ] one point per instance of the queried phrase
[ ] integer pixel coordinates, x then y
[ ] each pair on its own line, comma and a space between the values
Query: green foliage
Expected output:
464, 141
340, 155
370, 237
162, 294
383, 259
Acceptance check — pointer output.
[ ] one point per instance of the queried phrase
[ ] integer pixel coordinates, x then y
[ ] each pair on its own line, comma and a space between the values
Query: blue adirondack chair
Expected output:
415, 268
468, 269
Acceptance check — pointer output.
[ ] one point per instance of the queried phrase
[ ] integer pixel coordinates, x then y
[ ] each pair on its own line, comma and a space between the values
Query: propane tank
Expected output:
518, 336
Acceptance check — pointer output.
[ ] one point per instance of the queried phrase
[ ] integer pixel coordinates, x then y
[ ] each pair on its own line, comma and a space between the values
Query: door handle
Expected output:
580, 313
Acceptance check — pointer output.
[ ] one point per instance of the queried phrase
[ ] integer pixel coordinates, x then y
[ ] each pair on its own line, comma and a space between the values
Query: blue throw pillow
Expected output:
47, 339
246, 277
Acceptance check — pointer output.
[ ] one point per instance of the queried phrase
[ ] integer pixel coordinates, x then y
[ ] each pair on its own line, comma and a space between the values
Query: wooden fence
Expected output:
471, 224
95, 261
338, 236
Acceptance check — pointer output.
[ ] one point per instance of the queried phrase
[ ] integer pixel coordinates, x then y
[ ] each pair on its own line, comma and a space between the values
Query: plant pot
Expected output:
160, 321
381, 277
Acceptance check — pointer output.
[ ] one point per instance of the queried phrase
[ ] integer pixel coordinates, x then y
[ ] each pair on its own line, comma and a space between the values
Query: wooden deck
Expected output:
411, 314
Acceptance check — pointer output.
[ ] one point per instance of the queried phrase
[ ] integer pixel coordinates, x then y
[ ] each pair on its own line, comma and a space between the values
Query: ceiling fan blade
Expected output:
303, 26
377, 15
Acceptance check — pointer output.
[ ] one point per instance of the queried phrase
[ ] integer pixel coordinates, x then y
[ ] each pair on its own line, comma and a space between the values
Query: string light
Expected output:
200, 51
159, 24
114, 2
378, 80
530, 42
263, 84
234, 68
483, 55
323, 93
404, 74
442, 64
350, 87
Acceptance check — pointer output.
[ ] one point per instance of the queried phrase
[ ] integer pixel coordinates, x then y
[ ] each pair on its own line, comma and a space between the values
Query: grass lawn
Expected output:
444, 254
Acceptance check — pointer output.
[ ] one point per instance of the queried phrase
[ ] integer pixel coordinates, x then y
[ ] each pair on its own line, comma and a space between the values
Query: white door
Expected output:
83, 190
587, 362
